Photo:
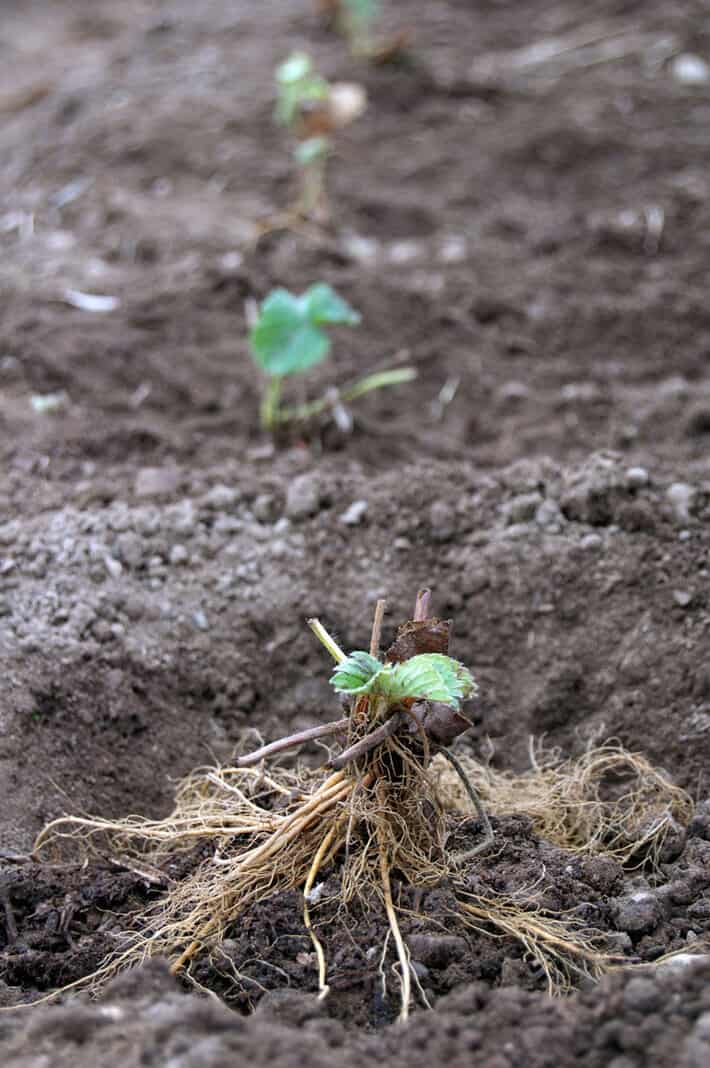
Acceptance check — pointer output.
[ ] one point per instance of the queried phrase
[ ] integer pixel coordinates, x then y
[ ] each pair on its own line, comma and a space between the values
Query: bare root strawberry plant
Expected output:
379, 814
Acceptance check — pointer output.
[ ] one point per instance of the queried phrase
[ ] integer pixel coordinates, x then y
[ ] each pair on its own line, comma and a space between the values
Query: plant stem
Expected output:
364, 745
312, 186
270, 414
395, 376
377, 628
421, 605
292, 741
325, 639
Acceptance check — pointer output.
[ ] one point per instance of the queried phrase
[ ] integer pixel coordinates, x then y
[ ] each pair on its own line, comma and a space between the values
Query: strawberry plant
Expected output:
290, 337
313, 109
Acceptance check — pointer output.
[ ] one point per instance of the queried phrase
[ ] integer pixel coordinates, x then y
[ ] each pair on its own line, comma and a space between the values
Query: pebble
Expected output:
264, 508
690, 69
147, 521
521, 508
129, 549
133, 607
681, 961
119, 519
156, 481
363, 249
181, 518
200, 619
591, 541
401, 252
549, 515
680, 496
513, 393
637, 912
179, 555
303, 496
637, 477
517, 530
101, 630
682, 598
113, 566
220, 498
9, 532
354, 514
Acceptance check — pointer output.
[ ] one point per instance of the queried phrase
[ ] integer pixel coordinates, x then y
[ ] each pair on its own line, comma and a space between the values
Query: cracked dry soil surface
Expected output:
531, 234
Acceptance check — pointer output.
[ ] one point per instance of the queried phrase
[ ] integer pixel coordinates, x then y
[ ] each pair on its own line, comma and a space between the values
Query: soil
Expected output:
530, 232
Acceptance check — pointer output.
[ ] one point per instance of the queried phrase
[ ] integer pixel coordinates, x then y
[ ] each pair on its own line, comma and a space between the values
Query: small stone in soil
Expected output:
303, 496
637, 913
156, 481
680, 497
354, 514
637, 477
179, 555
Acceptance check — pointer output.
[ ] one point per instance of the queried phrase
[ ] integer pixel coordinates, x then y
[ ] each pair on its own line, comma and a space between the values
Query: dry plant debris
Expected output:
380, 813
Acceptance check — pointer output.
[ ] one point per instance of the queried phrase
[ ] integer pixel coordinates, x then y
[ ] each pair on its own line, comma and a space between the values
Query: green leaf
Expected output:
355, 673
434, 677
297, 66
288, 336
284, 340
429, 677
325, 306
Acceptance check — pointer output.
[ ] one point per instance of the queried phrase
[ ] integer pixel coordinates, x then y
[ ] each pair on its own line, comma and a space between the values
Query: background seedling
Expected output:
290, 336
356, 21
313, 110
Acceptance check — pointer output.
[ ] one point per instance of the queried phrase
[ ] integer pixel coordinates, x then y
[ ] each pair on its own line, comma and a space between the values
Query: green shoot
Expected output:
296, 85
290, 336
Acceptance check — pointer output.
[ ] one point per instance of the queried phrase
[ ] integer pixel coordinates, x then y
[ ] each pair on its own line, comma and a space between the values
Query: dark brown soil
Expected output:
531, 234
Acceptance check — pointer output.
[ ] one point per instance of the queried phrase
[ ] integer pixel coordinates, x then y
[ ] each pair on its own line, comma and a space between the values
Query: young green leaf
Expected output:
430, 677
284, 340
288, 335
355, 673
294, 69
434, 677
325, 307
